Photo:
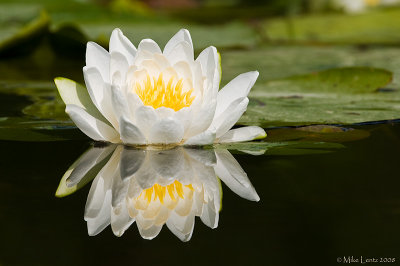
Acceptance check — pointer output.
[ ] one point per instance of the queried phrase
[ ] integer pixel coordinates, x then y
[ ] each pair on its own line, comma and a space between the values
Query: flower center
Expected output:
155, 92
157, 191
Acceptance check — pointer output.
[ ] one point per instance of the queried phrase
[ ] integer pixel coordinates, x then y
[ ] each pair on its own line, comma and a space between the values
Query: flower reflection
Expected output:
154, 187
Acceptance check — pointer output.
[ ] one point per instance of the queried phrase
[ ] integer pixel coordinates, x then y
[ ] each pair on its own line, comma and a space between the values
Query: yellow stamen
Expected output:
157, 93
159, 192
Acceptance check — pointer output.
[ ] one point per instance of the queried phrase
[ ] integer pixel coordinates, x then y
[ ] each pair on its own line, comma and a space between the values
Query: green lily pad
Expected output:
41, 116
235, 34
381, 26
336, 96
284, 61
21, 28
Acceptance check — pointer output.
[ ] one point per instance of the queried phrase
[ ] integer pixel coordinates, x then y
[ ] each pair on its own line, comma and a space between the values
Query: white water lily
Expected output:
145, 96
155, 187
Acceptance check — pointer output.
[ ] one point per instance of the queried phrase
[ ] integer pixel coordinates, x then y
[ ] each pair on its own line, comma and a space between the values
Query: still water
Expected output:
313, 208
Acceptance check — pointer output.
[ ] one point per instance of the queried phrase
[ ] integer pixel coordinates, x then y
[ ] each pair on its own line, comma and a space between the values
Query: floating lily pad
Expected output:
284, 61
380, 26
21, 28
337, 96
41, 117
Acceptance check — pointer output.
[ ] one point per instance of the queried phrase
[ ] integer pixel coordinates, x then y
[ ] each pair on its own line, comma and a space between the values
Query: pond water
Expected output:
313, 208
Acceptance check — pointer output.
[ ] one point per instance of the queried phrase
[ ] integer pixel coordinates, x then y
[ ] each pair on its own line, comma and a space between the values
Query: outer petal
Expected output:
182, 227
210, 62
227, 119
230, 172
118, 42
166, 131
83, 170
98, 57
130, 134
91, 126
145, 117
94, 157
73, 93
239, 87
120, 103
204, 138
243, 134
100, 93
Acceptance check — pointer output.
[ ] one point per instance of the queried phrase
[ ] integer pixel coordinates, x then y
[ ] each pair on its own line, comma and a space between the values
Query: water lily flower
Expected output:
155, 187
146, 96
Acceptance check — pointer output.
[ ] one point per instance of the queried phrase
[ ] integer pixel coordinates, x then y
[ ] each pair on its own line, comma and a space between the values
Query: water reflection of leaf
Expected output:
154, 187
281, 148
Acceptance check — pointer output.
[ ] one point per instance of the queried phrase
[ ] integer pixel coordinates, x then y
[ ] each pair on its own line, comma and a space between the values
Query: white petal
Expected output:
167, 163
183, 51
130, 134
164, 112
120, 220
230, 116
180, 226
202, 119
184, 70
204, 138
73, 93
102, 220
181, 36
118, 68
166, 131
118, 42
239, 87
204, 156
210, 215
120, 103
150, 233
131, 161
91, 126
150, 46
243, 134
210, 62
232, 174
98, 57
91, 159
145, 117
100, 187
100, 93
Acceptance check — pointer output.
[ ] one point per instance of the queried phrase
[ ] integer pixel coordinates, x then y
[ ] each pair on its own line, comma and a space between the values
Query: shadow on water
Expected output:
313, 208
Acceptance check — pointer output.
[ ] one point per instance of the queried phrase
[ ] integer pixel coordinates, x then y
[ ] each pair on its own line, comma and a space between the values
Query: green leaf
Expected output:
381, 26
21, 27
41, 116
336, 96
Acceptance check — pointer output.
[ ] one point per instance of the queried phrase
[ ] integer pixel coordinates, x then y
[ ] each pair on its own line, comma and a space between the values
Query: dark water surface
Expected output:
313, 209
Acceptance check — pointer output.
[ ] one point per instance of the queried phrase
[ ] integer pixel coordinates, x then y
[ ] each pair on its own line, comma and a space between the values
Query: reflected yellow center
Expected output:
155, 92
157, 191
